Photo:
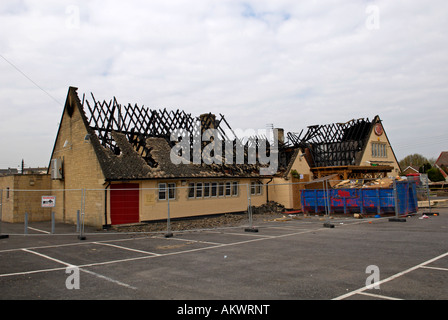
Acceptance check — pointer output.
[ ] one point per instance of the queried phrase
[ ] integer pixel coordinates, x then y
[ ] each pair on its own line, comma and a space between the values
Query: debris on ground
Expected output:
270, 210
270, 207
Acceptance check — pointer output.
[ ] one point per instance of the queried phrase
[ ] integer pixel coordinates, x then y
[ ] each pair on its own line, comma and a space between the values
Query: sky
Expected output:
289, 63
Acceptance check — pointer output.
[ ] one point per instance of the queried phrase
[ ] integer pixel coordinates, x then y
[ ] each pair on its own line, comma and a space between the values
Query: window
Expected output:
207, 190
235, 188
228, 189
7, 193
172, 191
198, 190
256, 188
163, 191
253, 189
191, 190
214, 189
379, 150
259, 187
221, 189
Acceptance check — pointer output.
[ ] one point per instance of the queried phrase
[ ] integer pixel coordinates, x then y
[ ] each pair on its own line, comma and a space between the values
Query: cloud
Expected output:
290, 63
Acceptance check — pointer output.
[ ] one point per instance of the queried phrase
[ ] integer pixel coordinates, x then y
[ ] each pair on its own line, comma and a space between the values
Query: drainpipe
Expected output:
267, 190
106, 226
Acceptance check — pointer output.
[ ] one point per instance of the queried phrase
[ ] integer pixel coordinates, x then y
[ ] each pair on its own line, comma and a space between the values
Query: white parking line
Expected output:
378, 296
395, 276
86, 271
125, 248
212, 247
435, 268
243, 234
190, 240
38, 230
109, 279
153, 256
47, 257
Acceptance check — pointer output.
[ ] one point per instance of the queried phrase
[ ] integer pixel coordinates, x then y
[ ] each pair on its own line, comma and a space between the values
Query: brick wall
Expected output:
24, 195
80, 170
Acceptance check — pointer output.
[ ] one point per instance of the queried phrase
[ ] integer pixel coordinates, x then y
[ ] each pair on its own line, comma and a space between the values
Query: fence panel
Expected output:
171, 207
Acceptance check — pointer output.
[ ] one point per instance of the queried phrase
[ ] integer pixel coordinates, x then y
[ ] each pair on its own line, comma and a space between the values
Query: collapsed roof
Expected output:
134, 142
337, 144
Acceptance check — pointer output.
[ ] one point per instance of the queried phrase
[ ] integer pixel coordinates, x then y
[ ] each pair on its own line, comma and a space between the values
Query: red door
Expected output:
124, 203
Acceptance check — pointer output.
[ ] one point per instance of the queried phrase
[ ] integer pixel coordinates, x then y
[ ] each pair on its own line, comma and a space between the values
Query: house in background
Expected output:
8, 172
442, 160
442, 164
410, 170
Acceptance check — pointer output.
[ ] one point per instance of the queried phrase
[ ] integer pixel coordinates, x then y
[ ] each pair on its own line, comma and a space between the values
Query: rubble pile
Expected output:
367, 183
271, 207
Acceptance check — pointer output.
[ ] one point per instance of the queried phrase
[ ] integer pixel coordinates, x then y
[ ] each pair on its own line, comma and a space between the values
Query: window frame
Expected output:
199, 190
228, 189
256, 188
172, 187
221, 189
166, 189
379, 150
206, 191
235, 188
160, 191
191, 190
214, 190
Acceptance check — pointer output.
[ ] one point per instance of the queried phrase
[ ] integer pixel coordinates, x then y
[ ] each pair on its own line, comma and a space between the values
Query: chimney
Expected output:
208, 121
281, 136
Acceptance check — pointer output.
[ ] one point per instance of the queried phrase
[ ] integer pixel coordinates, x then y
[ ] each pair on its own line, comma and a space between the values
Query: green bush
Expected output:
434, 175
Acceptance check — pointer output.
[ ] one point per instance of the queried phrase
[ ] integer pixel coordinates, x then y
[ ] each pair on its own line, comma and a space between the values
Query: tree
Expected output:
425, 168
435, 175
413, 160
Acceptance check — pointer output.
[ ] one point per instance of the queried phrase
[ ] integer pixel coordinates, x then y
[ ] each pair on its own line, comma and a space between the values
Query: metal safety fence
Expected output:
168, 207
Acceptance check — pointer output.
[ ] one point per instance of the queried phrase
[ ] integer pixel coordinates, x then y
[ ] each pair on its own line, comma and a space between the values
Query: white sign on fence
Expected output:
48, 201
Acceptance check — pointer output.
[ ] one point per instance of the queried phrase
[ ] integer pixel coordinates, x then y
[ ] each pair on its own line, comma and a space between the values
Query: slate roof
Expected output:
129, 165
126, 155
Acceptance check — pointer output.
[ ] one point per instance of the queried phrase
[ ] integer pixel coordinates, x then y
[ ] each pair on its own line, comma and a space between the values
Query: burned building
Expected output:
355, 149
126, 153
125, 164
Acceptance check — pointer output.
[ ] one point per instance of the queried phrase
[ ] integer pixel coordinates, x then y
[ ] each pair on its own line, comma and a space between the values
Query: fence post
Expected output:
327, 224
429, 200
2, 236
26, 223
77, 220
52, 222
251, 227
396, 200
168, 234
83, 204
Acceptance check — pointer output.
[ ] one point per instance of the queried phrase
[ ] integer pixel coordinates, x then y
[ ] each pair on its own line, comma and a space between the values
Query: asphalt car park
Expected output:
294, 259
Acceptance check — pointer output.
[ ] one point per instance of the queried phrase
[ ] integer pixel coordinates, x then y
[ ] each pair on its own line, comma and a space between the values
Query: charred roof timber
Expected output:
140, 125
142, 136
336, 144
